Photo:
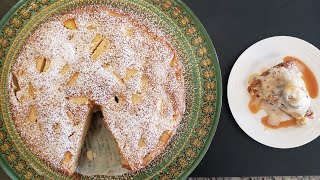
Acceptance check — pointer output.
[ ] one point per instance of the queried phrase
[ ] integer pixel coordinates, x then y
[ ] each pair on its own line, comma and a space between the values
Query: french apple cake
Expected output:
283, 88
97, 59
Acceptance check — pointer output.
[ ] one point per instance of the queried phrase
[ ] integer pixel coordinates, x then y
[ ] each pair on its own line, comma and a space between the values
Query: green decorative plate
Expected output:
202, 75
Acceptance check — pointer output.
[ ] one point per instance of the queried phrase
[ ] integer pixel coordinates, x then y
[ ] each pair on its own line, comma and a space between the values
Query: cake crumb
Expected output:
91, 155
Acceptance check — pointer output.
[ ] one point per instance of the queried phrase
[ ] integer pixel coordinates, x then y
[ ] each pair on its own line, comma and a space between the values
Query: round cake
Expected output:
97, 59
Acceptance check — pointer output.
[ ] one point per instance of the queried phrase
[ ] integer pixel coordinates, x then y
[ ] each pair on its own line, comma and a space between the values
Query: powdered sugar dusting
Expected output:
132, 110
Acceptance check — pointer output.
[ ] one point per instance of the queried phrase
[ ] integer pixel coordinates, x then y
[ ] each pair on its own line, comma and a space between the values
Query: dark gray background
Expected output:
233, 26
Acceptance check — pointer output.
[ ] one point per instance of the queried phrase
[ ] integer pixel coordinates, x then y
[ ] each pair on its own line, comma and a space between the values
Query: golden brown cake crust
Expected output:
89, 57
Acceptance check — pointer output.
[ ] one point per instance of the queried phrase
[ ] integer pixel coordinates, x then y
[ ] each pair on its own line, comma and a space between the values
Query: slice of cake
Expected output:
283, 87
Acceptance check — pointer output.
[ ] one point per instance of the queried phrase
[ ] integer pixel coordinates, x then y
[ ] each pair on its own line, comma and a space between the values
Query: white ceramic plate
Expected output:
261, 55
